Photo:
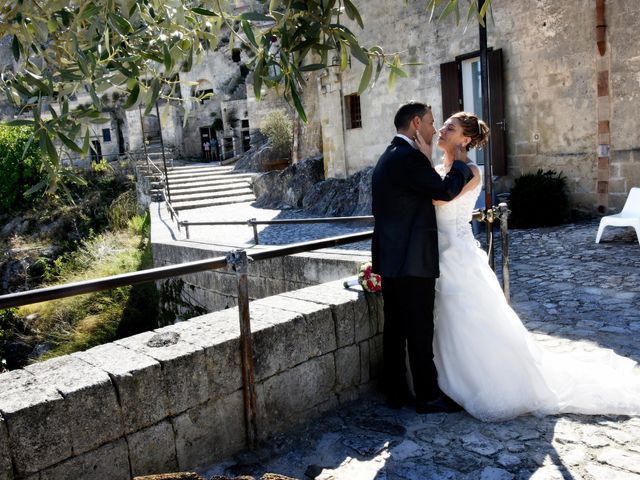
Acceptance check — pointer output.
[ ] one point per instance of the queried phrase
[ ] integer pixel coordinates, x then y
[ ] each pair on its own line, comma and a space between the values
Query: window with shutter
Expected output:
459, 82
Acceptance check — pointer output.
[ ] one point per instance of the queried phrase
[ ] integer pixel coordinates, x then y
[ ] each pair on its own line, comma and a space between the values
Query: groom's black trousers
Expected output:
408, 320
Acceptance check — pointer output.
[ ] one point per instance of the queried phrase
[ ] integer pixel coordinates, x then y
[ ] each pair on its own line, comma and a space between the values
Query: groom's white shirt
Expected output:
404, 137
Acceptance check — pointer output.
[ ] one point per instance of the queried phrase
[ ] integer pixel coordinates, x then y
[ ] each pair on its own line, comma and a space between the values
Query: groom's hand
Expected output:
424, 145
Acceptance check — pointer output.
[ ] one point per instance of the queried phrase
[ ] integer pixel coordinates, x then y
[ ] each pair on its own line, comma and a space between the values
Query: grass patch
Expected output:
77, 323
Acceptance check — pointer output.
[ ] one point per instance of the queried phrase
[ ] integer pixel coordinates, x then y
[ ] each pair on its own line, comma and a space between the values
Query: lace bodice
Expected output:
454, 216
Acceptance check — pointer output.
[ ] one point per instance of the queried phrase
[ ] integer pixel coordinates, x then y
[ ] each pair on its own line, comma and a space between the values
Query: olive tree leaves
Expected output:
73, 58
476, 9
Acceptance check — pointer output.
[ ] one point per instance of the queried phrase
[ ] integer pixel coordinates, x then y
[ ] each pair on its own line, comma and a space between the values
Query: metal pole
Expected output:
164, 160
504, 232
238, 260
144, 144
486, 114
252, 222
186, 227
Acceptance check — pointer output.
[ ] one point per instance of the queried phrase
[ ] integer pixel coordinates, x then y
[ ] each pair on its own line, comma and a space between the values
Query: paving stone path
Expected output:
571, 293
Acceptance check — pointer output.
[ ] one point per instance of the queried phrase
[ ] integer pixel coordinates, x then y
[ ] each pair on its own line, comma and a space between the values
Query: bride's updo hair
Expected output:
474, 128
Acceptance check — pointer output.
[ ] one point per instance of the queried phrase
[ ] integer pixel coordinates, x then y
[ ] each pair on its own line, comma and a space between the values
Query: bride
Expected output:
486, 359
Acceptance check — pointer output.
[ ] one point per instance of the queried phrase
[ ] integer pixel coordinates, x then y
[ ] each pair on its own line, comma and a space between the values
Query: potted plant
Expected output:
278, 129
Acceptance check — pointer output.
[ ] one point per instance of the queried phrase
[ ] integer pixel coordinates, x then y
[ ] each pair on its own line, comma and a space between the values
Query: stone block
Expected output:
210, 431
268, 268
6, 469
375, 356
340, 299
365, 362
221, 345
319, 267
300, 330
347, 367
260, 287
93, 412
296, 394
36, 418
184, 368
153, 450
365, 319
109, 461
138, 380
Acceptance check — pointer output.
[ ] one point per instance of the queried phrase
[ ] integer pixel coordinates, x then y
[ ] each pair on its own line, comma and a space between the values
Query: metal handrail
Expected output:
490, 215
252, 222
165, 188
160, 273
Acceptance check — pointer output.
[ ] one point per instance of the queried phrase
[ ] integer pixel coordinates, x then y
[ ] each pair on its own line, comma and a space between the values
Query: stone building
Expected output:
557, 102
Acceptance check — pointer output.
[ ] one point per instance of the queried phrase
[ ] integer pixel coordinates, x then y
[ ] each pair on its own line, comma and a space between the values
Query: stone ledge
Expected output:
172, 398
93, 412
136, 377
36, 419
6, 469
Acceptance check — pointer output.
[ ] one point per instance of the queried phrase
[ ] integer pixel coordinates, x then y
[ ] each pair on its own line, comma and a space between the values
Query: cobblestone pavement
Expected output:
571, 293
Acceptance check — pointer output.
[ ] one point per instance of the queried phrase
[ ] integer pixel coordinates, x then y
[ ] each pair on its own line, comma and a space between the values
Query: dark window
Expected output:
352, 107
235, 55
204, 95
245, 123
106, 134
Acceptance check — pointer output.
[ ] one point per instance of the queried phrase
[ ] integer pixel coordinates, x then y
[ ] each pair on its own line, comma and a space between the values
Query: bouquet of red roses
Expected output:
369, 281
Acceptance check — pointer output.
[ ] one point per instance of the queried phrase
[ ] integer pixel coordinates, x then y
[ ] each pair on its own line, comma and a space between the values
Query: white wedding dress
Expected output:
486, 359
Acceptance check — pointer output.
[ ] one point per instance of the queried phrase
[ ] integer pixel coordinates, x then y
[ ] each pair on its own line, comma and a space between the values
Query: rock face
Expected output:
260, 158
287, 188
301, 186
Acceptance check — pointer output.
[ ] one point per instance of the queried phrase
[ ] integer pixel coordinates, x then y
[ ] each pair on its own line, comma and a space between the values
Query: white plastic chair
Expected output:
628, 217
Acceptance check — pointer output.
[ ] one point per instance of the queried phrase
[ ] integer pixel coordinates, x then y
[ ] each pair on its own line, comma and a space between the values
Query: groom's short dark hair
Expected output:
406, 112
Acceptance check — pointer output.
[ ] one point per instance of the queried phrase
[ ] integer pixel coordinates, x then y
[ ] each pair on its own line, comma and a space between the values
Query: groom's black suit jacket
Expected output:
405, 238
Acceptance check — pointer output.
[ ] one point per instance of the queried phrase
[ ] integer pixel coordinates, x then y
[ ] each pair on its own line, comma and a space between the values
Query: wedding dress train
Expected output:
486, 359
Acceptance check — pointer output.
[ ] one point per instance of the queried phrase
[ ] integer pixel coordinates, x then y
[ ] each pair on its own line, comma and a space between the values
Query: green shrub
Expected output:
539, 199
19, 173
278, 128
121, 210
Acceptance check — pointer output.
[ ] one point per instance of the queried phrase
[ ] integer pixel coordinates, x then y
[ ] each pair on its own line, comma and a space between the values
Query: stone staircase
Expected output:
200, 186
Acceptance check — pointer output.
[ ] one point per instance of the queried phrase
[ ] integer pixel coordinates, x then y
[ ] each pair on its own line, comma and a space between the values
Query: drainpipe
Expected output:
344, 135
601, 27
486, 113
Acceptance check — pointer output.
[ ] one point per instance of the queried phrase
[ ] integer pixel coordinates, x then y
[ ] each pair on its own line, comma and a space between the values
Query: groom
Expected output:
405, 253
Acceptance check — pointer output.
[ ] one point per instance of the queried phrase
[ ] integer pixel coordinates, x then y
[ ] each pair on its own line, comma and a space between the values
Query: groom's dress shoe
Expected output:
438, 405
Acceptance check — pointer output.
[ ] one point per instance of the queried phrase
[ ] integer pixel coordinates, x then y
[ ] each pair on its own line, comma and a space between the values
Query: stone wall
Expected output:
171, 399
217, 289
553, 105
310, 133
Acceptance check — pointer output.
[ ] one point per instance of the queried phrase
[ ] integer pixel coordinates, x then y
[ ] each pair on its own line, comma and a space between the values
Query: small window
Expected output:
204, 95
245, 123
235, 55
352, 111
106, 134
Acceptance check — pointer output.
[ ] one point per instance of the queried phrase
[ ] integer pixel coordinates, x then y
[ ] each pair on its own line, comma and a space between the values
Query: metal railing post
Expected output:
252, 222
238, 260
186, 227
504, 214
